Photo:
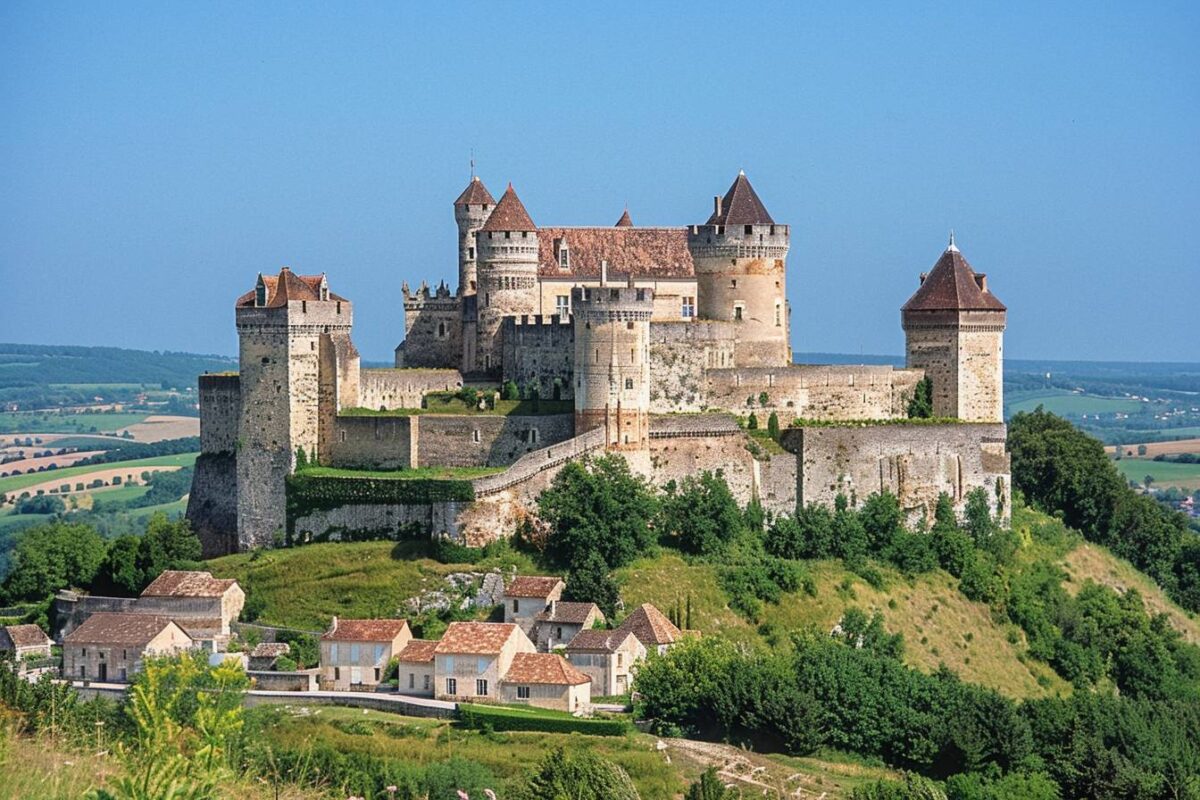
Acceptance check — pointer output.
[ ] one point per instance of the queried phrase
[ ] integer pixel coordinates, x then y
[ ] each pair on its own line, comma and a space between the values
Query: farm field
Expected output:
1159, 448
157, 428
42, 462
1069, 404
33, 422
47, 480
1165, 473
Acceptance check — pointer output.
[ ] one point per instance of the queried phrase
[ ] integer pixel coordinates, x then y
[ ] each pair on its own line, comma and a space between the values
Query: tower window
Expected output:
629, 383
737, 313
733, 283
688, 308
749, 229
442, 328
562, 305
260, 294
471, 253
303, 306
778, 315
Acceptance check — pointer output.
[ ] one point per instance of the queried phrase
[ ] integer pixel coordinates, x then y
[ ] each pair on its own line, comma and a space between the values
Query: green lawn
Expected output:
1067, 404
1165, 473
50, 422
416, 473
14, 482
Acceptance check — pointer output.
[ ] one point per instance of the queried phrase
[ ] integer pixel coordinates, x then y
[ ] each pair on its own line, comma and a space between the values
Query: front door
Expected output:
102, 675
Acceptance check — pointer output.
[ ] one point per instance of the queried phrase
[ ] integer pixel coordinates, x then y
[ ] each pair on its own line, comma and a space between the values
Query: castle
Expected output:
655, 342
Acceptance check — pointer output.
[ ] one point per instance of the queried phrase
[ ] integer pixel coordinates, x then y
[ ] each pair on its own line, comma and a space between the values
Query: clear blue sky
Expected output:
155, 157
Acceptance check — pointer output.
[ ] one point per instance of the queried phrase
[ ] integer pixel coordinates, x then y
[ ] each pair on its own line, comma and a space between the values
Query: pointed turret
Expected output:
953, 286
509, 214
740, 205
476, 194
624, 221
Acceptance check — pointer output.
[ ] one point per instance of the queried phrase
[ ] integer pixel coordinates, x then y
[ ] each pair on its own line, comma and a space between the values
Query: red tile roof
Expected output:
27, 636
312, 282
475, 638
476, 194
108, 627
604, 641
569, 612
418, 651
953, 286
509, 215
642, 252
531, 586
178, 583
741, 206
624, 221
650, 626
543, 668
270, 650
365, 630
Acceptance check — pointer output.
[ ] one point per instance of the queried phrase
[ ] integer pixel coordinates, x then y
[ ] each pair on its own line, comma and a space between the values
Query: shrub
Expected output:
508, 719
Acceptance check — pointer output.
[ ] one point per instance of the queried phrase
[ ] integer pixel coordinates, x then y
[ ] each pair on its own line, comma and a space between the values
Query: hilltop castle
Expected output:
648, 341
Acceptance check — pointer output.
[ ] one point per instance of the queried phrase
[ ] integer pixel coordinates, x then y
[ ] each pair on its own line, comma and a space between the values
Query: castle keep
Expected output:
653, 342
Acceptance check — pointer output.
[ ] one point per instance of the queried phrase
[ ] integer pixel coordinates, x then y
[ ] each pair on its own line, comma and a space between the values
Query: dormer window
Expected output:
323, 289
260, 293
564, 254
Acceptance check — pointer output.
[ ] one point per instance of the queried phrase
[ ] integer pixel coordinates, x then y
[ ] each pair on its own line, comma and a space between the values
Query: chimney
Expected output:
333, 625
717, 205
603, 272
553, 608
981, 281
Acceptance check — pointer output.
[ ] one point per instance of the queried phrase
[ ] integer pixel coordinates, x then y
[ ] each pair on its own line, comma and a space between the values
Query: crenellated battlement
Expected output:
424, 296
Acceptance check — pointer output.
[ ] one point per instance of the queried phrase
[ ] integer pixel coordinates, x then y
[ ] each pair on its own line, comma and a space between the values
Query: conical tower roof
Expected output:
476, 194
624, 221
953, 286
509, 215
741, 206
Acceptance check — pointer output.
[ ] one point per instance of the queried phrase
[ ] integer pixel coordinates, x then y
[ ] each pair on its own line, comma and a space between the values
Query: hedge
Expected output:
308, 493
505, 719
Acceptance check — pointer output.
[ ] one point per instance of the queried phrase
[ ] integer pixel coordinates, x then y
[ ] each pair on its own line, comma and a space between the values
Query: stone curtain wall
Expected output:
373, 442
212, 504
432, 329
680, 352
539, 351
385, 520
479, 440
832, 392
915, 462
389, 389
220, 408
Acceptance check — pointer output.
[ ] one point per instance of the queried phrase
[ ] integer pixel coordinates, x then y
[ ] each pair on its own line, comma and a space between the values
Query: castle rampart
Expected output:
390, 389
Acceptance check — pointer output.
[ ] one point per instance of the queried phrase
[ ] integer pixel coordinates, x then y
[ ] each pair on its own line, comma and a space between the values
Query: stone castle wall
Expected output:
220, 408
915, 462
212, 503
432, 330
390, 389
371, 442
680, 353
539, 351
435, 519
963, 354
833, 392
486, 440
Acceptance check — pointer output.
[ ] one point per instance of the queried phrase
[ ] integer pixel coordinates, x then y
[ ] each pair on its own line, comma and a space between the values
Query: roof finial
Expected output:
742, 173
473, 177
952, 247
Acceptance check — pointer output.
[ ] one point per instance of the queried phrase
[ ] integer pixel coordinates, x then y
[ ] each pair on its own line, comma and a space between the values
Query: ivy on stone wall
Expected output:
307, 493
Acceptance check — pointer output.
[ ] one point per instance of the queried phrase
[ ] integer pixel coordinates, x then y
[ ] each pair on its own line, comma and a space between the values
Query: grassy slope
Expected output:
21, 481
1060, 401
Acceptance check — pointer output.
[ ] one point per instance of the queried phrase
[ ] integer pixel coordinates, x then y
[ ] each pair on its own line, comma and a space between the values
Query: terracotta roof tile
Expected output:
531, 586
602, 640
543, 668
741, 206
108, 627
418, 651
199, 627
476, 194
641, 252
178, 583
624, 221
650, 626
569, 612
953, 286
270, 650
475, 638
365, 630
27, 635
509, 215
313, 282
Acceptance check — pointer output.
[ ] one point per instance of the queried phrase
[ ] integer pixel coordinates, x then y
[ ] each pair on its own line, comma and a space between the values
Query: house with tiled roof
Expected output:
355, 652
608, 657
265, 654
652, 628
472, 657
526, 596
545, 680
210, 604
25, 641
561, 620
111, 646
415, 668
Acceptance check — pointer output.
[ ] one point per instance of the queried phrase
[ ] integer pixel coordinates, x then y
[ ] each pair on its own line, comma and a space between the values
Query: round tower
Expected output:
507, 271
471, 211
612, 363
741, 274
954, 330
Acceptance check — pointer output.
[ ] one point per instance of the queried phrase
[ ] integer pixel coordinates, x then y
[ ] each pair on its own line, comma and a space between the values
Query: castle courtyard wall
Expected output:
390, 389
373, 442
539, 352
486, 440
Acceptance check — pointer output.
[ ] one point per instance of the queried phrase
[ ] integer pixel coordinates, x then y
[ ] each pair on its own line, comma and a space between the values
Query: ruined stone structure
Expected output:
659, 338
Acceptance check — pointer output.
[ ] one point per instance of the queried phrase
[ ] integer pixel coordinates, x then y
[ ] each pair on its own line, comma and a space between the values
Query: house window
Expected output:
82, 671
412, 680
83, 652
425, 683
620, 658
124, 675
516, 608
378, 653
562, 305
451, 686
124, 655
629, 383
377, 674
558, 632
688, 309
354, 653
337, 673
481, 687
737, 313
333, 653
522, 692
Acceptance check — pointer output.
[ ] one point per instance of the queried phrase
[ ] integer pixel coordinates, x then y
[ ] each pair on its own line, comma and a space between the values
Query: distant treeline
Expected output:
132, 450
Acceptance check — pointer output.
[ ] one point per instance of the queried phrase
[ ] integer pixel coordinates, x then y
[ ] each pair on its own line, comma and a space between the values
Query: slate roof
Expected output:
509, 214
569, 612
365, 630
596, 639
475, 638
952, 286
650, 626
110, 627
531, 586
418, 651
298, 287
179, 583
27, 636
624, 221
543, 668
641, 252
476, 194
741, 206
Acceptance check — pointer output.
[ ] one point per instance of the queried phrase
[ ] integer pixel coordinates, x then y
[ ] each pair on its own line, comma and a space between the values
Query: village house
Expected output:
25, 641
415, 673
652, 628
356, 652
110, 647
561, 620
526, 596
472, 657
265, 654
209, 604
545, 680
607, 657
